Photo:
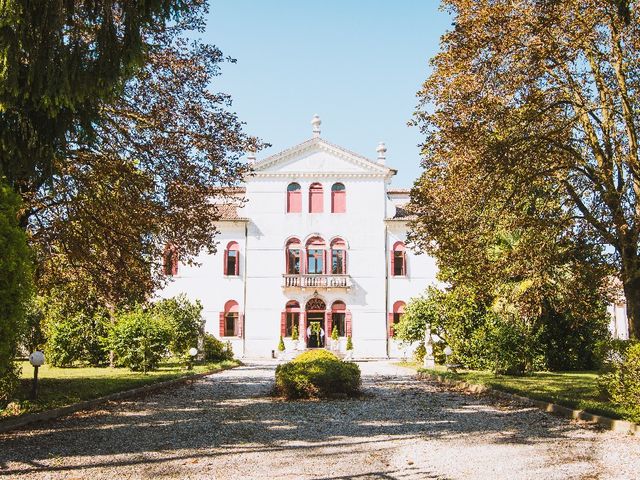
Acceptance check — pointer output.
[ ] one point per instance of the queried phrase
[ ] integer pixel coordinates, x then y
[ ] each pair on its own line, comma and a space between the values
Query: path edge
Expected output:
620, 426
29, 418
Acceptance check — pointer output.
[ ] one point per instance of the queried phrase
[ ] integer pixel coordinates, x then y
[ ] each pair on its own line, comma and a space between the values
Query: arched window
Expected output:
232, 259
398, 260
395, 316
294, 198
293, 257
338, 198
315, 198
170, 260
290, 318
231, 320
338, 257
315, 255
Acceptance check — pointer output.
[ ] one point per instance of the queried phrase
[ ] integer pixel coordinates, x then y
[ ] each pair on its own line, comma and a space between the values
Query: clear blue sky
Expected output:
357, 64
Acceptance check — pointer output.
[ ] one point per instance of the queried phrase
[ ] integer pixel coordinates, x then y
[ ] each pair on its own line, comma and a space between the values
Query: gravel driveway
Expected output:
227, 426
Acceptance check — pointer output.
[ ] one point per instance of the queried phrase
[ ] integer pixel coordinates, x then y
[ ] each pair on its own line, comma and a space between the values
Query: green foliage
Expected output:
490, 334
140, 339
317, 374
622, 383
215, 350
15, 286
294, 333
419, 353
334, 333
81, 338
281, 344
185, 319
349, 343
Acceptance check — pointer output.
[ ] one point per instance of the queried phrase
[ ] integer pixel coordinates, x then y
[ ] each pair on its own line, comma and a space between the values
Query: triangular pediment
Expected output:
317, 156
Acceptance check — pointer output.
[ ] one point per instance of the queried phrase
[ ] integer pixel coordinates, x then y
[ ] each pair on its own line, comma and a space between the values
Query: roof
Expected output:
402, 214
229, 212
229, 190
399, 191
320, 143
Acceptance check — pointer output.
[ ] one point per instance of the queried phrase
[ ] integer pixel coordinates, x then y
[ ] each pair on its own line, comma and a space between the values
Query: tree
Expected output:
160, 151
15, 287
60, 61
186, 322
536, 110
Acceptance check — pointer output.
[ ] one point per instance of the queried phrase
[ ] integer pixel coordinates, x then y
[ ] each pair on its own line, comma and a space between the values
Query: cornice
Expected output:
318, 175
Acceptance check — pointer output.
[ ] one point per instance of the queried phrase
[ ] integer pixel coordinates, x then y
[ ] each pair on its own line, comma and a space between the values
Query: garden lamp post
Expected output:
448, 352
193, 351
37, 360
429, 360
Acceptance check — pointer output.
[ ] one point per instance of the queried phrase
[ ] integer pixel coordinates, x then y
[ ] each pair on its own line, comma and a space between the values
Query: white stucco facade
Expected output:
370, 227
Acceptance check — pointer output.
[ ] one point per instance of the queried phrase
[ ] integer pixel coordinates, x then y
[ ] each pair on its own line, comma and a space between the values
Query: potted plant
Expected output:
335, 340
349, 355
295, 336
281, 346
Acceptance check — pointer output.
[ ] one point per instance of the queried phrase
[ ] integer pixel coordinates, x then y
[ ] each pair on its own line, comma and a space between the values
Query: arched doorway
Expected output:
315, 316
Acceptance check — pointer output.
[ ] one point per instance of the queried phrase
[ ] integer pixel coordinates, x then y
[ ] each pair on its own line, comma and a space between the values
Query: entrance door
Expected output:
315, 330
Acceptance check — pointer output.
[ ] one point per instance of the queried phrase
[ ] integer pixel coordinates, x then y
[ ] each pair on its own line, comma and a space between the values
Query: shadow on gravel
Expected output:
229, 414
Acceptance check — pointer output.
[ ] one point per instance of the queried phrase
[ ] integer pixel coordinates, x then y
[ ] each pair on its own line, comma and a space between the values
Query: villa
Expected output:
319, 244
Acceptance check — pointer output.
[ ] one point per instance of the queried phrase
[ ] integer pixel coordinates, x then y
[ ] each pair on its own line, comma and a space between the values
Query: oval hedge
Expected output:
317, 374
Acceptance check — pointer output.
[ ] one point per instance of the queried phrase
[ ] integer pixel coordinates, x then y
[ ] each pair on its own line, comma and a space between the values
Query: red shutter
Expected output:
221, 324
404, 263
224, 265
328, 321
348, 322
390, 322
302, 332
237, 262
238, 327
393, 263
283, 324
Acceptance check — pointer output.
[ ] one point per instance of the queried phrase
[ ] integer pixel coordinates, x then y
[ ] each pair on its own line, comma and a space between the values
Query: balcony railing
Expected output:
316, 281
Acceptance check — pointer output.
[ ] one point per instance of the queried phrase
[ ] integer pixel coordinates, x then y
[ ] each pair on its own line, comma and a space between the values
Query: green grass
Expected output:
578, 390
58, 387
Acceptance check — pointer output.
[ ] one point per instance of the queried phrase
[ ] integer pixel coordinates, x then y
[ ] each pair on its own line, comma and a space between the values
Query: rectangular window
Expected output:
315, 261
231, 324
337, 262
398, 263
232, 262
293, 263
339, 322
292, 319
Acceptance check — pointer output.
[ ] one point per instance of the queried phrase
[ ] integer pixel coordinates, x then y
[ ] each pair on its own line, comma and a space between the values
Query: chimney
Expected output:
382, 150
315, 121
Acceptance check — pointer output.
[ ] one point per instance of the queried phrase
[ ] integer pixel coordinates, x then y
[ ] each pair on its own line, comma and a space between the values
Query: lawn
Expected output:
58, 387
577, 390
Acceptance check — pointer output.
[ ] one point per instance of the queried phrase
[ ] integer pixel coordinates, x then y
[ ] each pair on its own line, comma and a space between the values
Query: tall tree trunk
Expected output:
631, 286
112, 317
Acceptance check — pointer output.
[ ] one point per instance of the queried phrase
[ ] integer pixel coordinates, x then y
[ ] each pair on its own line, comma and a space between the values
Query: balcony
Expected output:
316, 281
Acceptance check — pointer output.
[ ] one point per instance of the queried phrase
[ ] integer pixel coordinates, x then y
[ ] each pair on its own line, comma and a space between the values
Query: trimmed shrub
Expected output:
317, 374
622, 383
215, 350
349, 343
294, 333
139, 340
81, 337
281, 344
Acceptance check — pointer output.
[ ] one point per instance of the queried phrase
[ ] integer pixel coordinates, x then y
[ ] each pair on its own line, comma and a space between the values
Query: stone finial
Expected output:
382, 151
251, 156
315, 121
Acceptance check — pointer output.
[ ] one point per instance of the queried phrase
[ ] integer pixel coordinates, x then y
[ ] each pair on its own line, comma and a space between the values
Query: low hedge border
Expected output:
620, 426
29, 418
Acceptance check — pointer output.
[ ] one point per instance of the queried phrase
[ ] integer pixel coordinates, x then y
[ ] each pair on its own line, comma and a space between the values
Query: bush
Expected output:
281, 344
81, 337
139, 339
215, 350
419, 353
317, 374
185, 319
622, 383
294, 333
349, 343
